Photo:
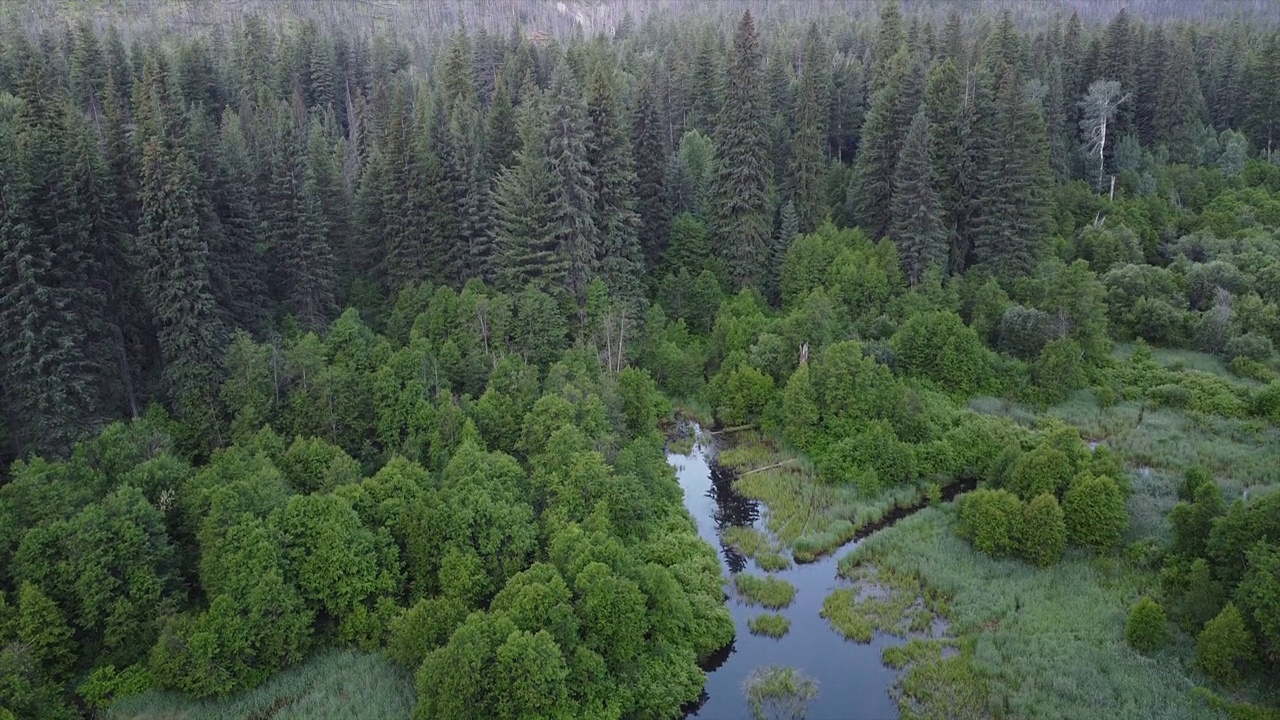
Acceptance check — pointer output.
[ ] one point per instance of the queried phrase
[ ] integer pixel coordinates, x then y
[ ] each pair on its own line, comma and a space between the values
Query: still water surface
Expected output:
853, 684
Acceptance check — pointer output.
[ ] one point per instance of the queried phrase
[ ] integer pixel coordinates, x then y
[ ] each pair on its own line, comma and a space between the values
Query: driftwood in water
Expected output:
767, 467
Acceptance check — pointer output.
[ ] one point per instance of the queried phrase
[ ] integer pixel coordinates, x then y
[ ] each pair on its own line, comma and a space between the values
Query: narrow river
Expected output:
853, 684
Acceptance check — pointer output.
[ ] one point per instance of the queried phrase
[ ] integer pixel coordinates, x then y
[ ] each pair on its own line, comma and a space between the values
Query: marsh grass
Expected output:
771, 625
771, 592
1040, 642
779, 693
756, 545
334, 686
810, 517
880, 602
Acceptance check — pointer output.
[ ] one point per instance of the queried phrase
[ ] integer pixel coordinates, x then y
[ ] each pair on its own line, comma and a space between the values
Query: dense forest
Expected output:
319, 334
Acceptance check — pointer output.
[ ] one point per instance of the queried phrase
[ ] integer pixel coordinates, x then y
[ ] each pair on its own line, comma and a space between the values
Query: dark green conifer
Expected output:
916, 225
810, 113
649, 152
741, 224
613, 175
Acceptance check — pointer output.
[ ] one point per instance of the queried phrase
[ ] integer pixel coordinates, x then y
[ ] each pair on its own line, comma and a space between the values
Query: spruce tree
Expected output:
474, 212
809, 113
944, 106
740, 188
57, 347
573, 193
1012, 178
296, 227
88, 72
614, 181
526, 245
1147, 92
889, 40
501, 130
788, 229
1262, 93
236, 267
1119, 62
649, 152
1180, 107
916, 226
878, 152
189, 326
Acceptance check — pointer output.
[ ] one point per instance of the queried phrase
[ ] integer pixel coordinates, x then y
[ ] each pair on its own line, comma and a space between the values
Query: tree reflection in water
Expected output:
732, 510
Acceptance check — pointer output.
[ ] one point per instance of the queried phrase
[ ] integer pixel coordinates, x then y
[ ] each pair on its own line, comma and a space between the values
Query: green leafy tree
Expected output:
41, 626
939, 346
1225, 646
991, 520
1096, 515
1043, 531
1147, 630
800, 410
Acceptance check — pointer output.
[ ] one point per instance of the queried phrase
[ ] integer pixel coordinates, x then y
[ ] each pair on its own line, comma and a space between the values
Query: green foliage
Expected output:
1095, 510
777, 692
1042, 533
940, 347
767, 591
104, 686
1225, 646
1147, 630
770, 625
1044, 470
992, 520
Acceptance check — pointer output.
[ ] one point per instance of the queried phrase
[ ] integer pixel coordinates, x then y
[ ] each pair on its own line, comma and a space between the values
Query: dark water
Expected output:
853, 684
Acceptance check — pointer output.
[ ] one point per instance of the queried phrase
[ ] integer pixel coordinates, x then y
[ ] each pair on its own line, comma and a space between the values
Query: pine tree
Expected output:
889, 40
88, 72
325, 153
740, 189
1150, 72
1119, 62
788, 229
707, 83
810, 113
526, 246
236, 268
573, 194
916, 226
475, 212
501, 130
649, 152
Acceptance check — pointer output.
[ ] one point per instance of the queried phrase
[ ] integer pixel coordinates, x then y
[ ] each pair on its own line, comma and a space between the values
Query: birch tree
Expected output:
1098, 113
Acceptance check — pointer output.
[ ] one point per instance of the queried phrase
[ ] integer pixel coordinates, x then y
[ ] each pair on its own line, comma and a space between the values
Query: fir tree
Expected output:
788, 229
916, 226
878, 151
740, 195
944, 106
1011, 180
296, 227
649, 152
889, 40
1180, 104
573, 192
810, 113
501, 130
614, 180
235, 264
526, 246
1262, 93
1150, 73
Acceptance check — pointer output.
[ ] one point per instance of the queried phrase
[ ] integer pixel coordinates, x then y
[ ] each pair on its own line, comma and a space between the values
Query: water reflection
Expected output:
731, 510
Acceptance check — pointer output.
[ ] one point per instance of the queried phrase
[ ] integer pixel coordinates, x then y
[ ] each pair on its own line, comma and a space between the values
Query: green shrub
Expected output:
1249, 345
800, 410
1225, 646
1042, 470
1095, 510
747, 394
939, 346
990, 519
769, 624
1024, 331
1147, 628
771, 592
104, 685
1252, 369
1266, 403
1043, 531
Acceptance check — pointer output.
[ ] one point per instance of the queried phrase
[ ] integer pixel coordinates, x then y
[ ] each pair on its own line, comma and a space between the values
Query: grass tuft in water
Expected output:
779, 692
771, 592
754, 544
770, 625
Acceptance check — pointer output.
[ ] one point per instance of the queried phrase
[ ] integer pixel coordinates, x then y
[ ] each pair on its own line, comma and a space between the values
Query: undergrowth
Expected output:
333, 686
771, 592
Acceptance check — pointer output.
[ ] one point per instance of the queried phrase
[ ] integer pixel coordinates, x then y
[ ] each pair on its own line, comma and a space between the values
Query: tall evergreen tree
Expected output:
1119, 62
944, 105
50, 306
741, 224
1012, 176
649, 152
1262, 93
1180, 103
889, 40
189, 325
526, 244
809, 114
236, 267
916, 226
614, 180
296, 227
573, 193
1147, 91
878, 151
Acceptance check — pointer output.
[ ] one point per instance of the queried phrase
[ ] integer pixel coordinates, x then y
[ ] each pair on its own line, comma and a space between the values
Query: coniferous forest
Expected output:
343, 348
